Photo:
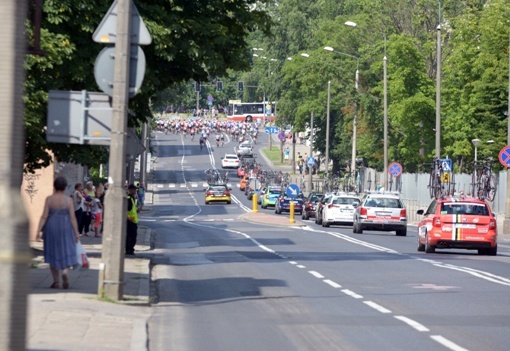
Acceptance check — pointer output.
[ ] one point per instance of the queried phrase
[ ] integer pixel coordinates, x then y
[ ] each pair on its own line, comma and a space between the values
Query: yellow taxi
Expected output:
217, 193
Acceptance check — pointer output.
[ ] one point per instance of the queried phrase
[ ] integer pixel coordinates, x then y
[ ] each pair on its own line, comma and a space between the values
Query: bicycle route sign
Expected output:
292, 190
504, 156
395, 169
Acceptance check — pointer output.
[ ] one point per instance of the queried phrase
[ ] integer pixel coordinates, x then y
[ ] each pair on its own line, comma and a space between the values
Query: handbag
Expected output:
81, 255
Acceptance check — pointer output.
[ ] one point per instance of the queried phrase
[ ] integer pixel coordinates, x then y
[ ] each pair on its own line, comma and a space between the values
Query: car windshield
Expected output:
274, 192
384, 202
464, 208
217, 188
344, 201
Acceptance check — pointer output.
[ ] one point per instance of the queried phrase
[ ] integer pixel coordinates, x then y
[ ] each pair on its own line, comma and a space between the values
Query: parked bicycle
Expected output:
483, 181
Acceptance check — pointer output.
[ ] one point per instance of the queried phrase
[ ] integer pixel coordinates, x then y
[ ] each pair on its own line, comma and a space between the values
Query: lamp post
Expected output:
385, 93
327, 129
438, 85
354, 127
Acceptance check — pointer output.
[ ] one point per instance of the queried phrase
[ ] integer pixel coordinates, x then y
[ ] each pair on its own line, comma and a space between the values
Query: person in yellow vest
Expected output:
132, 220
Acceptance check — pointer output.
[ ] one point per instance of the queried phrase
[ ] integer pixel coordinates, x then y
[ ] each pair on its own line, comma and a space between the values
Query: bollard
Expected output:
255, 203
291, 218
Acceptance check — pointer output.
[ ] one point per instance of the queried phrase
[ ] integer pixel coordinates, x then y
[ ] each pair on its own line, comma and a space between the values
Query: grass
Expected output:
274, 154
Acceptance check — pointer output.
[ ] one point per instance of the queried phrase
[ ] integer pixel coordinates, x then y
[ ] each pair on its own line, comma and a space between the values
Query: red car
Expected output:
458, 223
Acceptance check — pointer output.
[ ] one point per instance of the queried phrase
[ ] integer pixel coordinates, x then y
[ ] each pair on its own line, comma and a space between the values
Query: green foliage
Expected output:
191, 40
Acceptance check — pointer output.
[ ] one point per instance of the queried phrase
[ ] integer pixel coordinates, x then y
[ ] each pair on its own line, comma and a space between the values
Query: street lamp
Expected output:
438, 85
385, 123
354, 127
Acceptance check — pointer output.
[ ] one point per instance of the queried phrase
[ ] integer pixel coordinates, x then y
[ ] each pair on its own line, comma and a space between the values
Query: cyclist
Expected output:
217, 140
202, 142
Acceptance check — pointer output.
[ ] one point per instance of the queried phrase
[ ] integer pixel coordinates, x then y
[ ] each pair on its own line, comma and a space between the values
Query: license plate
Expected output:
466, 226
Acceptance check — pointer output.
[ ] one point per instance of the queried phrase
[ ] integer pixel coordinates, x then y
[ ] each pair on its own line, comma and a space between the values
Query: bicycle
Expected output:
441, 180
484, 183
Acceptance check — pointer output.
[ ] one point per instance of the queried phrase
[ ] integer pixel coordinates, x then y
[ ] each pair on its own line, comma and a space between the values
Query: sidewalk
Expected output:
75, 319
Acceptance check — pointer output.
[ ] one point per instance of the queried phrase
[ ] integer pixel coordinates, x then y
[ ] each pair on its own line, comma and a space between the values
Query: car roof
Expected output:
231, 155
460, 199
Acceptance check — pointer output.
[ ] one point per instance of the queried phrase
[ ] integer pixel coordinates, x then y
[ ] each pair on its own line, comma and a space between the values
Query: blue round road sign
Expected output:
504, 156
395, 169
292, 190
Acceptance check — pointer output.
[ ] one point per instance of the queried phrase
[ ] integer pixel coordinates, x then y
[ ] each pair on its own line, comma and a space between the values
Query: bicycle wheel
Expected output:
432, 184
490, 187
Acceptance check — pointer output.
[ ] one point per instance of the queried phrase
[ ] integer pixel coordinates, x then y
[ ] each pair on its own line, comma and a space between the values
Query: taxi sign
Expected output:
292, 190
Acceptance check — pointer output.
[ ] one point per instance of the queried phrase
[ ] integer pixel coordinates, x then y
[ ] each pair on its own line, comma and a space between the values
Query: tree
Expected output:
188, 43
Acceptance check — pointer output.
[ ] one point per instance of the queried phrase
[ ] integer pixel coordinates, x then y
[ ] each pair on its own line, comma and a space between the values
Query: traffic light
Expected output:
219, 85
197, 86
240, 86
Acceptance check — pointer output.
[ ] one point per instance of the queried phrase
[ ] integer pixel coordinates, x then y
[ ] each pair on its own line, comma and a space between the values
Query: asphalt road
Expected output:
220, 283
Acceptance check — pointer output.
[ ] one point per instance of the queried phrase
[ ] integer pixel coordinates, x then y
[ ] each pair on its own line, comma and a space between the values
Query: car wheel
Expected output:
207, 202
325, 224
429, 248
229, 202
306, 216
488, 252
421, 247
402, 232
263, 206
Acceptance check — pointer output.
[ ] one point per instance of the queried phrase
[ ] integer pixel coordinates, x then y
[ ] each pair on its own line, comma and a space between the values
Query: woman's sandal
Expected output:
65, 281
55, 285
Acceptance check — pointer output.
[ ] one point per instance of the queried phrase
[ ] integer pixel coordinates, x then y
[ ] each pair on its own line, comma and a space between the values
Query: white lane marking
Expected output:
300, 266
332, 283
160, 185
292, 262
316, 274
376, 307
419, 327
352, 294
447, 343
477, 273
171, 185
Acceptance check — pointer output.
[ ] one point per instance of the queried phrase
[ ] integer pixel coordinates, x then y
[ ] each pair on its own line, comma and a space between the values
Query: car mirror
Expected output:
420, 212
355, 204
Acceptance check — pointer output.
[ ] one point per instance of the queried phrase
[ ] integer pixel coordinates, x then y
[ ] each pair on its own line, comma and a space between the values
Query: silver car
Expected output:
244, 149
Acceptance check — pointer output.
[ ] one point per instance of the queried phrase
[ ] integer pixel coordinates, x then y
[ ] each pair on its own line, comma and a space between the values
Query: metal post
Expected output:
14, 250
354, 131
327, 129
115, 220
506, 222
438, 89
385, 136
310, 171
293, 152
143, 157
198, 103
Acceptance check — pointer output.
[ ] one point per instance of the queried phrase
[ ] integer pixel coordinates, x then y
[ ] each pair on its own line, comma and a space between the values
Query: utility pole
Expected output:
327, 129
14, 252
115, 220
506, 222
310, 170
143, 157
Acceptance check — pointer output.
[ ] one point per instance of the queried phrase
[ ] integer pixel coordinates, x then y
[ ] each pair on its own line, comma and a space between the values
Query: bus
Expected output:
250, 112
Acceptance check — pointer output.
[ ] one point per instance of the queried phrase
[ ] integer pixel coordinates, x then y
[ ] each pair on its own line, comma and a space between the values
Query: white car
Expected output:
230, 161
244, 149
339, 209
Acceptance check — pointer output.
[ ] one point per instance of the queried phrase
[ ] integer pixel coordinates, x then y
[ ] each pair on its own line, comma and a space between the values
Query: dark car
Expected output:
310, 204
282, 204
320, 206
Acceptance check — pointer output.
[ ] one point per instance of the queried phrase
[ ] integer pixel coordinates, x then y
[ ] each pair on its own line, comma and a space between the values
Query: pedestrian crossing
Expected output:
187, 185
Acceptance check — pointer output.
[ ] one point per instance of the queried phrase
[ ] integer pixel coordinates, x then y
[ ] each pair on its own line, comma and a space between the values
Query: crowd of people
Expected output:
67, 218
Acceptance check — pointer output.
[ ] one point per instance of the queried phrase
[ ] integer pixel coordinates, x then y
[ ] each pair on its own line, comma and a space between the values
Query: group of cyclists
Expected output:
239, 131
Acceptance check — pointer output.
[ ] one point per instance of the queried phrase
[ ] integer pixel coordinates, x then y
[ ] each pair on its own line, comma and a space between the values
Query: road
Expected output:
221, 283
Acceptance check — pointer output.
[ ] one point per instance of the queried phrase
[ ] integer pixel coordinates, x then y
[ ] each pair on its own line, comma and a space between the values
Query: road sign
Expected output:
292, 190
445, 177
106, 32
272, 130
104, 68
395, 169
504, 156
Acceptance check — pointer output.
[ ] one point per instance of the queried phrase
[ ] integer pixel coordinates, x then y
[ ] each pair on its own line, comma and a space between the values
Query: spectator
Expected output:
132, 221
59, 231
140, 191
79, 205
